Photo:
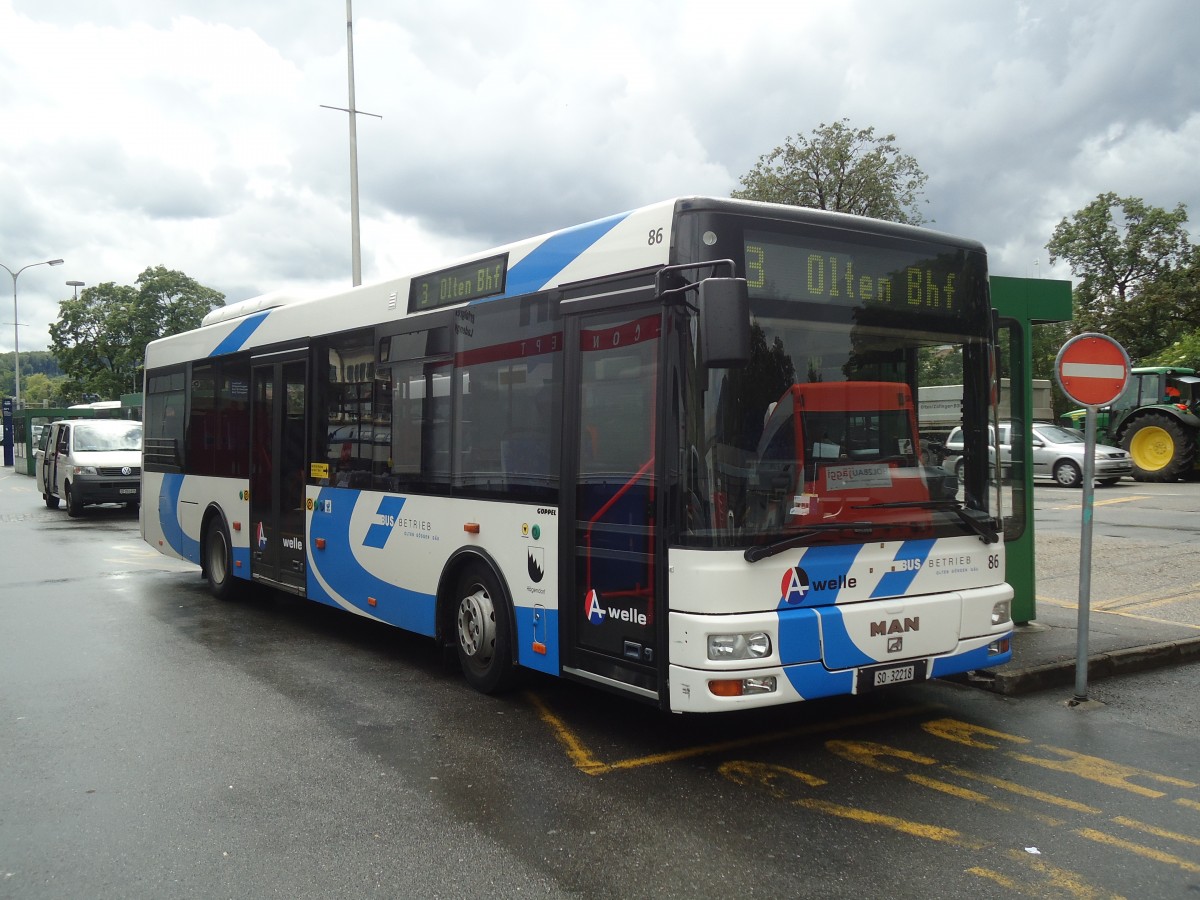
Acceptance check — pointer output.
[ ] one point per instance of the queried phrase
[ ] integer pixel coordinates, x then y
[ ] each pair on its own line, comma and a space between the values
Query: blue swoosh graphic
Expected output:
378, 534
234, 340
555, 254
349, 580
896, 584
168, 519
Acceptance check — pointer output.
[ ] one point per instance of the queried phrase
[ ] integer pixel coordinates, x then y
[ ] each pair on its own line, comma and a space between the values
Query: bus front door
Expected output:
613, 612
277, 469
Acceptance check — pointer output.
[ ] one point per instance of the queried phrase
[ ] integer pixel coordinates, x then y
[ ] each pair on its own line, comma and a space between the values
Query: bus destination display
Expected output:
469, 281
839, 274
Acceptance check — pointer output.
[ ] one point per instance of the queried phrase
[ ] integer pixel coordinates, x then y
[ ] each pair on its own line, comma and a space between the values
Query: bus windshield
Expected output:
829, 434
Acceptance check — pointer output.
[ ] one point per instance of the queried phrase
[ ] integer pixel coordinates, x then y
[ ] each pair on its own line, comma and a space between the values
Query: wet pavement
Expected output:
1144, 612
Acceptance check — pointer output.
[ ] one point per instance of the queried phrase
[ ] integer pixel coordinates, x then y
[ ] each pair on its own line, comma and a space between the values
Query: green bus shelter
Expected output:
1021, 304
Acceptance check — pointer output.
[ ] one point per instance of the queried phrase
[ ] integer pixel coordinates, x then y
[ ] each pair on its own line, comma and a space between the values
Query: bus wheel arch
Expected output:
475, 616
216, 555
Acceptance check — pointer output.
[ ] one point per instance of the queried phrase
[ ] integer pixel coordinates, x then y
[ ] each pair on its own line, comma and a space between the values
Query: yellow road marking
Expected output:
1022, 791
1062, 880
967, 734
1103, 771
1071, 604
904, 826
1139, 849
1156, 831
1190, 804
584, 760
870, 754
1108, 502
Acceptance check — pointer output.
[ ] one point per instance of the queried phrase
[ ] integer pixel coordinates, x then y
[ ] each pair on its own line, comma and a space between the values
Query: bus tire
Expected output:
1160, 448
51, 500
483, 630
218, 562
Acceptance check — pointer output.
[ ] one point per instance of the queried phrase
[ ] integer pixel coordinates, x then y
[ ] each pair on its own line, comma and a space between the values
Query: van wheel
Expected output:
218, 563
51, 500
484, 633
74, 504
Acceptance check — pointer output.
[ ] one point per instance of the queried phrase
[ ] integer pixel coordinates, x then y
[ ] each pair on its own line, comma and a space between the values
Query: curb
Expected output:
1103, 665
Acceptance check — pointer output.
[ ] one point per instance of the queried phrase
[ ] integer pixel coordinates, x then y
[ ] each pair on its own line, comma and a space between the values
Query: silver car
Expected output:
1057, 454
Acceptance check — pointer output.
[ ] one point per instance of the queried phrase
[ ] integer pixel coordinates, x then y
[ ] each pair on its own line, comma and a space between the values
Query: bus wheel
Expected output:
482, 625
51, 500
218, 562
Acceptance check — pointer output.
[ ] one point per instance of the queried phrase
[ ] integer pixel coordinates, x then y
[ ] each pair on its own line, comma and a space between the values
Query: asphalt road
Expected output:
1144, 537
159, 743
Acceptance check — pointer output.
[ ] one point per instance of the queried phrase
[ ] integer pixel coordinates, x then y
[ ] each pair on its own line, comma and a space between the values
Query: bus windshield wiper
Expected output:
975, 519
754, 554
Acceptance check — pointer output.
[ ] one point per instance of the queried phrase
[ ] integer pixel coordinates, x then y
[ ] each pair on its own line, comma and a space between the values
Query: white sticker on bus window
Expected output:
802, 504
863, 475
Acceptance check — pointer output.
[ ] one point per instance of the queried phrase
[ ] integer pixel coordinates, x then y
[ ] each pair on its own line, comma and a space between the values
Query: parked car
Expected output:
1057, 454
84, 461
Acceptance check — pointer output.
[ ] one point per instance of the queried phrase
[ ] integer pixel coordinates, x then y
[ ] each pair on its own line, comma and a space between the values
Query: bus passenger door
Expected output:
277, 470
612, 612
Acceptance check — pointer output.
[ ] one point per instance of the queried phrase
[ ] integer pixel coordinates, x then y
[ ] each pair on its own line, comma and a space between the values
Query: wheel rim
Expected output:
1152, 448
477, 626
218, 565
1065, 474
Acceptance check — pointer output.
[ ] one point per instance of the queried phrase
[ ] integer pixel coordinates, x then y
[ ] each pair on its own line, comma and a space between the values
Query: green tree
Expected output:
1185, 352
843, 169
100, 338
1128, 256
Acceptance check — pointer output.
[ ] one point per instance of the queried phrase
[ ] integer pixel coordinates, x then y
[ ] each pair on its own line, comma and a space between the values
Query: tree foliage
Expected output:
33, 362
100, 338
843, 169
1137, 271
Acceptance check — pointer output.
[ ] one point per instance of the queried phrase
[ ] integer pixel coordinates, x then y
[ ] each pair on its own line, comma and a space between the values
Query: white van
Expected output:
87, 461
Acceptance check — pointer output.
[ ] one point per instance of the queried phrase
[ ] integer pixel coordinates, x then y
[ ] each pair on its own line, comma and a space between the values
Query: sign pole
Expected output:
1085, 556
1092, 370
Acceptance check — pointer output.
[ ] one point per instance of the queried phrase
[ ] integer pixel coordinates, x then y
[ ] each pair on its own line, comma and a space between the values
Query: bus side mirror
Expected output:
724, 322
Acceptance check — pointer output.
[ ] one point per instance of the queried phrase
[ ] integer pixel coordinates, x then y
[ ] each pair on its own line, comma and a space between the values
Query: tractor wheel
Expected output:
1161, 448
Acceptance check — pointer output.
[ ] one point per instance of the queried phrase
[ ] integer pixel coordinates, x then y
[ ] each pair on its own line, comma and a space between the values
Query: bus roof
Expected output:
579, 253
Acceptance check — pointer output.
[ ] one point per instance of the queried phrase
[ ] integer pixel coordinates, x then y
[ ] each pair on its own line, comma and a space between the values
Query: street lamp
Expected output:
16, 342
77, 285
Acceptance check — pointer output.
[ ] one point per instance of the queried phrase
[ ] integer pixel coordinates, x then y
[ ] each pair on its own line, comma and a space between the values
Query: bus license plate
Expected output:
129, 490
883, 676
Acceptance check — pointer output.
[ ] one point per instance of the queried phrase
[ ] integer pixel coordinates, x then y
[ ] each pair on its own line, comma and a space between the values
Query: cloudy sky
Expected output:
191, 135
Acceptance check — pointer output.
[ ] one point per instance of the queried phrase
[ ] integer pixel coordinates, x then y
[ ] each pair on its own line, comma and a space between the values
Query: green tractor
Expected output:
1155, 419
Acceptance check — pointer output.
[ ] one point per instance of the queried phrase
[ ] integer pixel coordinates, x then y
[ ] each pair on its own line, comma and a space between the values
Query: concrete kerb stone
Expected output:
1100, 666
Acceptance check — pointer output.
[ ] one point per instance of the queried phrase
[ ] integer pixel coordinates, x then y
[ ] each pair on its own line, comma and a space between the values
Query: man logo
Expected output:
794, 586
592, 610
895, 644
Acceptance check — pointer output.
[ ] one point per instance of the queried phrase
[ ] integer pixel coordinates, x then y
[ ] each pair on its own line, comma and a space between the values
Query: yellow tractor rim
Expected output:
1152, 448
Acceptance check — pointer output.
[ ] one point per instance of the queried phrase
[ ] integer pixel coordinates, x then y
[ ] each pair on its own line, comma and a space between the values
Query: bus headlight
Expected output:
751, 645
1001, 612
83, 470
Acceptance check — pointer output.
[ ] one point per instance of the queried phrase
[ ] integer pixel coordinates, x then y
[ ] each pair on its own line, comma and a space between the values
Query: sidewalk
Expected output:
1044, 651
1144, 611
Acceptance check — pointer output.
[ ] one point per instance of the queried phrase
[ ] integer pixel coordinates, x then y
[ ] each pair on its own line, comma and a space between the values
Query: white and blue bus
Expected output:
673, 453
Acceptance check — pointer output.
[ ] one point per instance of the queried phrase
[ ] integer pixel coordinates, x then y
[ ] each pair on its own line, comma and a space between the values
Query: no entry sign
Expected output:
1092, 369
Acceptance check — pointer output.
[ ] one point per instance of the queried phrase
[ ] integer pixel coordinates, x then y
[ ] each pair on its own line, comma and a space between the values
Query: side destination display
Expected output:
470, 281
